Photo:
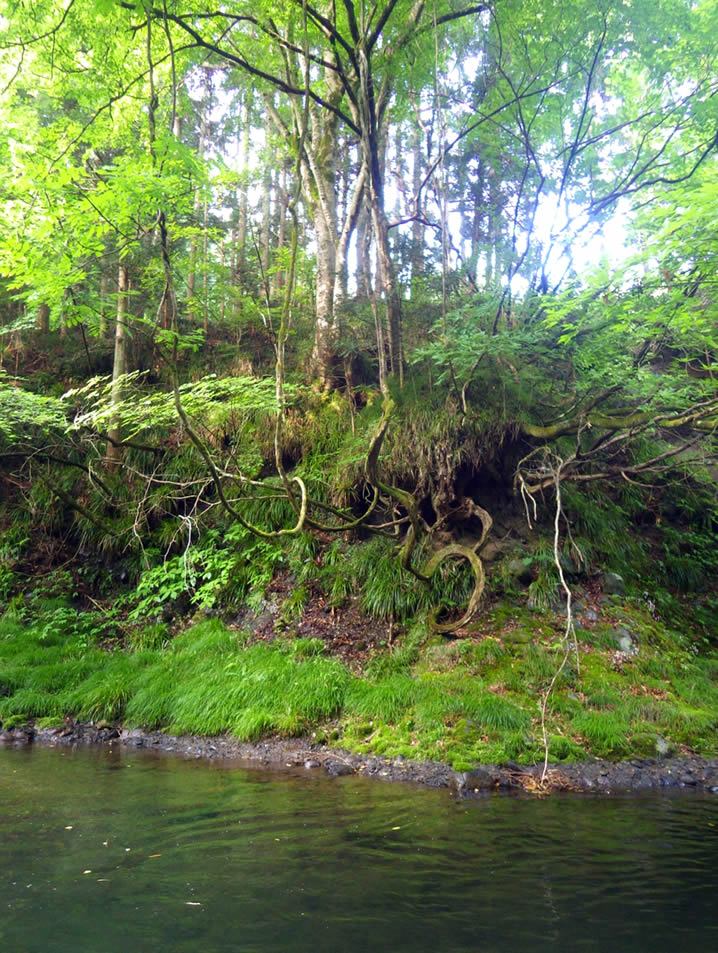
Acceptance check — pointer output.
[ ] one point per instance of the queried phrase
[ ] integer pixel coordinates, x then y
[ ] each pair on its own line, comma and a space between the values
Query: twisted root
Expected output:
416, 532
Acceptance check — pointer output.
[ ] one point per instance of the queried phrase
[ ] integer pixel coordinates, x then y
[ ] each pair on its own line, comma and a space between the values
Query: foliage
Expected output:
208, 571
210, 400
24, 414
157, 186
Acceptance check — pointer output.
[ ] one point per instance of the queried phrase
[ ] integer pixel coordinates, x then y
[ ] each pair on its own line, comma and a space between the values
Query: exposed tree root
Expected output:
417, 531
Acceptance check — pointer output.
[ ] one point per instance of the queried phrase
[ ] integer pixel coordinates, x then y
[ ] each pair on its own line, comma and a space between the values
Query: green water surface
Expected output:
106, 852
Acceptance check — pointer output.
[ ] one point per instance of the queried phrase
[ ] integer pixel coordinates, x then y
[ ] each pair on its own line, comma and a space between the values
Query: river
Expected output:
116, 852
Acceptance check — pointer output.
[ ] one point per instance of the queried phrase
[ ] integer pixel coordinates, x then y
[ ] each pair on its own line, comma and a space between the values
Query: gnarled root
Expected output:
416, 532
463, 552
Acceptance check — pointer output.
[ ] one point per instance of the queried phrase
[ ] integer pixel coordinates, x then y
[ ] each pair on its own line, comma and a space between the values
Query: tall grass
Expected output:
206, 682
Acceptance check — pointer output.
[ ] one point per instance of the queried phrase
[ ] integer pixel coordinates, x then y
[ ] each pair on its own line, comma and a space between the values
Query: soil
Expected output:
348, 634
686, 773
353, 637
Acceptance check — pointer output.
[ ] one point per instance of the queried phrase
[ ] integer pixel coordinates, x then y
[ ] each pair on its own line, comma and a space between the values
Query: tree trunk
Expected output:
223, 292
280, 215
373, 136
325, 329
392, 300
114, 453
197, 205
243, 206
266, 229
205, 290
417, 227
365, 284
477, 221
43, 318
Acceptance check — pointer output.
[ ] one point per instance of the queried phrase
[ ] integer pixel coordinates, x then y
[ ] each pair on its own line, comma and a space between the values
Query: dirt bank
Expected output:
589, 777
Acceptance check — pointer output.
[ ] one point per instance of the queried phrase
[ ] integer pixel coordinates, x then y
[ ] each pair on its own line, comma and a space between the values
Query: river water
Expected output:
105, 852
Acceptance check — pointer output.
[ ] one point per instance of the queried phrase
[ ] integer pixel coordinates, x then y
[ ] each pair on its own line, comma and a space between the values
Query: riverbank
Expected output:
597, 777
633, 691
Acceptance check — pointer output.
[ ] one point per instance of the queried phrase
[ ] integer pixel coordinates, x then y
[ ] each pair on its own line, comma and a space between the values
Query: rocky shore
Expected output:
587, 777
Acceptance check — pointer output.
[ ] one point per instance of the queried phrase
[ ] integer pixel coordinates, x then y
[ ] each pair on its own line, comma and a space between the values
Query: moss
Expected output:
644, 742
565, 749
483, 655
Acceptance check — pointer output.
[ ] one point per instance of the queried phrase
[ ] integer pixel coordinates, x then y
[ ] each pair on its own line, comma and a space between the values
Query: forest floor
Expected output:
354, 638
347, 633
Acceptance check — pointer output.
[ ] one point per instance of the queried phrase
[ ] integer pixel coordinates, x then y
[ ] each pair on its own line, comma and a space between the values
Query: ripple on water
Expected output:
189, 857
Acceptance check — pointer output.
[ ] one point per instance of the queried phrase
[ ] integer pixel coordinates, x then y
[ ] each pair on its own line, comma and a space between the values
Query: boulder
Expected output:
625, 642
521, 571
613, 584
465, 783
571, 565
